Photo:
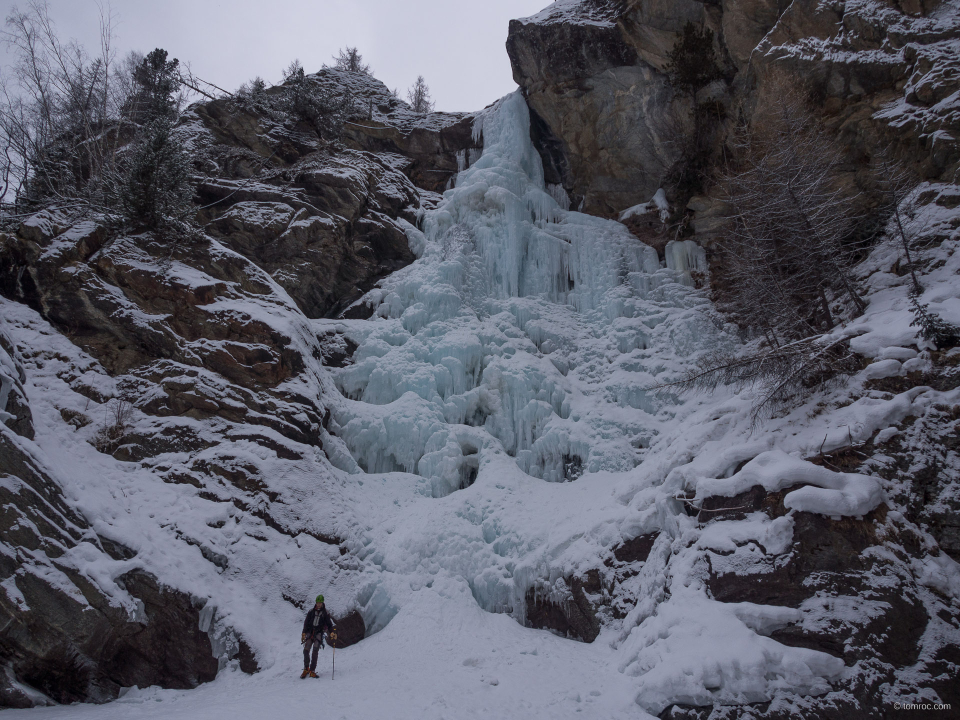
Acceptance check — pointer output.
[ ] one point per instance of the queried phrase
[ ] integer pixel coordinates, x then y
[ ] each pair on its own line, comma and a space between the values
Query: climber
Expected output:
318, 620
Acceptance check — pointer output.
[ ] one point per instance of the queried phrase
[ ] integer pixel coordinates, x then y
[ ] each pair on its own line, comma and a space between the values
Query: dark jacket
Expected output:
317, 621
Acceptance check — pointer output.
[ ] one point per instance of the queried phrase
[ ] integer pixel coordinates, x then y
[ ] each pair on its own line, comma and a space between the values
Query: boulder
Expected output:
565, 607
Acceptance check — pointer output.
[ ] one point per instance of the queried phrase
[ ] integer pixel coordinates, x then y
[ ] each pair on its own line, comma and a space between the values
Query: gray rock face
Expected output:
14, 406
323, 219
887, 76
595, 74
64, 639
601, 100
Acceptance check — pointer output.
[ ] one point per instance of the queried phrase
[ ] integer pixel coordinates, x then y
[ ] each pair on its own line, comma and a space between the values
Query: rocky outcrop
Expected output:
325, 220
568, 607
601, 102
14, 407
853, 602
886, 76
65, 638
192, 358
594, 72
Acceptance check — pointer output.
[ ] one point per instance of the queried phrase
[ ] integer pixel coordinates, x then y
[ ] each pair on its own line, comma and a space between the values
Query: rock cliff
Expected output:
194, 358
595, 73
431, 406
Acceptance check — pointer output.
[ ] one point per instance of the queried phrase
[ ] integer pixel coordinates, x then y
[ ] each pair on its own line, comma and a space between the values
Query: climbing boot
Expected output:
312, 674
306, 671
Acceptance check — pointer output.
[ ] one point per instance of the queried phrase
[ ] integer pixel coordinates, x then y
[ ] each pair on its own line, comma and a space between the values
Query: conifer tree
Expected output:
152, 189
419, 97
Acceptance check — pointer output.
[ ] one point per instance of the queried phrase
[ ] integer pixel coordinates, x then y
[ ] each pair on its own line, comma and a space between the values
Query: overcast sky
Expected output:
457, 45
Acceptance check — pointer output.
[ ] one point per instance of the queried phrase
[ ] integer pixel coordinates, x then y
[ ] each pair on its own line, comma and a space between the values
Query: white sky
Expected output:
457, 45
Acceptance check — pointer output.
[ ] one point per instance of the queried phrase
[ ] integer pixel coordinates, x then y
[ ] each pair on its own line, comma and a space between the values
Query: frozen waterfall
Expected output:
522, 328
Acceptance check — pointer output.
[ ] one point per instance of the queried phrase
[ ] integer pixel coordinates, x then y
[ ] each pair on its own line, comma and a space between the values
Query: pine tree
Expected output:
152, 189
933, 327
419, 97
157, 85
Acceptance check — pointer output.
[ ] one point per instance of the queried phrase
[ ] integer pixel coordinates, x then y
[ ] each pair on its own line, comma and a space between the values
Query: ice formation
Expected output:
494, 436
502, 336
521, 348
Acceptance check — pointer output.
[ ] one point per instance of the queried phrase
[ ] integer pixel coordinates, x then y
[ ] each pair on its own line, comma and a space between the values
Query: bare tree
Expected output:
896, 186
419, 97
115, 426
351, 60
56, 103
780, 374
792, 243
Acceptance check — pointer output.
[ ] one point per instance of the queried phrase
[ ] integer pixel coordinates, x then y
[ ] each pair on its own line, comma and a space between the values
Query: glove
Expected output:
303, 638
332, 636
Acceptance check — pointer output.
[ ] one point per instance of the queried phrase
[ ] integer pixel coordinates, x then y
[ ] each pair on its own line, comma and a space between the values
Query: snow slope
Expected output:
496, 436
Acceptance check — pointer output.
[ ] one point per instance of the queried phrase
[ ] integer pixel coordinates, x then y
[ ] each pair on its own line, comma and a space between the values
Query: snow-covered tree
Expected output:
419, 96
252, 96
311, 102
351, 60
293, 70
151, 187
156, 82
55, 102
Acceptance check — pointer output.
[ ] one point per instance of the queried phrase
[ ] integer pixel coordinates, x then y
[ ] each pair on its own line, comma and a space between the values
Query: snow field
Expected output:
441, 658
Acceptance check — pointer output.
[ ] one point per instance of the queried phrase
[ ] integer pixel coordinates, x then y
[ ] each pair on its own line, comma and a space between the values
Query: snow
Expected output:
439, 658
658, 202
495, 434
826, 492
576, 12
882, 369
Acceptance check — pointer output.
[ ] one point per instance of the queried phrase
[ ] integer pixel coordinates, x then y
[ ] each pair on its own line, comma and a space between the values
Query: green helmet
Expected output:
319, 598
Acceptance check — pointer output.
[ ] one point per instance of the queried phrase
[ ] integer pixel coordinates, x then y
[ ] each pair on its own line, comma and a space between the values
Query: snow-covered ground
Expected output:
495, 435
441, 658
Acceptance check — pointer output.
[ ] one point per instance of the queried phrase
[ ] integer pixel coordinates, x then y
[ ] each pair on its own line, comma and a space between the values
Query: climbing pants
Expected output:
308, 659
